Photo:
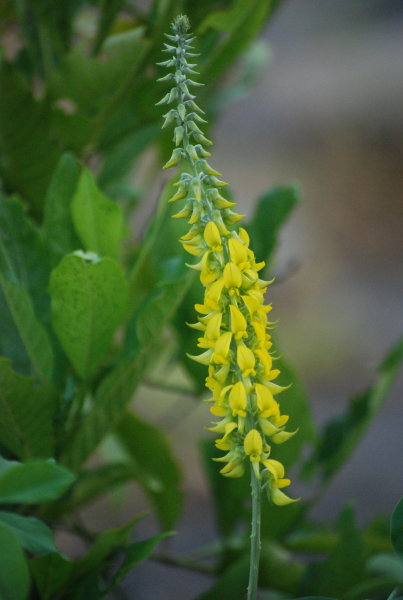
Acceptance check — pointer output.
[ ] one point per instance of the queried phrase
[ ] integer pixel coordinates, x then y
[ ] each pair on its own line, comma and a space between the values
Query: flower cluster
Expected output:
234, 330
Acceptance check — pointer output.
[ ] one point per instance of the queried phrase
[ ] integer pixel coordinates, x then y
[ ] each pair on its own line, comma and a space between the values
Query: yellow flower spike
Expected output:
246, 360
238, 323
212, 237
237, 400
222, 348
232, 276
232, 317
253, 445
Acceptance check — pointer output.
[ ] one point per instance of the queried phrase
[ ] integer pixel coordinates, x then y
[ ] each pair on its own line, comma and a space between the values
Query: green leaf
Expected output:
344, 567
155, 467
23, 256
88, 302
51, 574
14, 574
396, 527
229, 495
232, 584
28, 154
137, 552
93, 82
273, 209
33, 534
27, 410
242, 22
97, 220
59, 232
32, 482
341, 435
32, 335
388, 565
315, 598
117, 388
84, 578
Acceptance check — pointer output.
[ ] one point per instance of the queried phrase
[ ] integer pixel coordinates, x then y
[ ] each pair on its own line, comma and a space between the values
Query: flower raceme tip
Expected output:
235, 337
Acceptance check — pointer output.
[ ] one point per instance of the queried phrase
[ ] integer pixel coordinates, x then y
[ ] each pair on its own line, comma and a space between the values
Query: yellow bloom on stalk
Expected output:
235, 338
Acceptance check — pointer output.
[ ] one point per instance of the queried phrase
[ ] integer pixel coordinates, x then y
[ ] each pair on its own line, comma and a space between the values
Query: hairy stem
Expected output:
255, 537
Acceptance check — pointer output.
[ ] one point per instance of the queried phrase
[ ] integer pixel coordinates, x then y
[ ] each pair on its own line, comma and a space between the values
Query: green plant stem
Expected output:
255, 536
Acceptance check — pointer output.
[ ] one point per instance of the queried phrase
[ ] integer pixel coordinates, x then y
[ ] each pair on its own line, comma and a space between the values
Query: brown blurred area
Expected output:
327, 113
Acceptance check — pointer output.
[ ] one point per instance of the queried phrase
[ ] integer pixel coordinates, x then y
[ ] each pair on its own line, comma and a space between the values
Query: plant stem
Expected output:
254, 537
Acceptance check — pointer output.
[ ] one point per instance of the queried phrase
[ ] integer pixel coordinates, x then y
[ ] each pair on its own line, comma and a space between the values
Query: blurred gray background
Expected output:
326, 113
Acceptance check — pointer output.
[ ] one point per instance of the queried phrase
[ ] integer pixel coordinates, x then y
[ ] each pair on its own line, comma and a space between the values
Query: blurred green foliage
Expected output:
84, 307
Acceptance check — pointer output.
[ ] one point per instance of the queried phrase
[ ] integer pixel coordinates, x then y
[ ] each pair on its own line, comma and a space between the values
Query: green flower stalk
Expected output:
232, 319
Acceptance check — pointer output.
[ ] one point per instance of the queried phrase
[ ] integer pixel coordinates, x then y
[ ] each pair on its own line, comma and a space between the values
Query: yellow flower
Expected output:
232, 316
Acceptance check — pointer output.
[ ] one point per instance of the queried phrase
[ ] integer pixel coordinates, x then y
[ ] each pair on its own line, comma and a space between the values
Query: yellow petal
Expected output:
246, 360
232, 276
278, 497
282, 436
212, 236
253, 445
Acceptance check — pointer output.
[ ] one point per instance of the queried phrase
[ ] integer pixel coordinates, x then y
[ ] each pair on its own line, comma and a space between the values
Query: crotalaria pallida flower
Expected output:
234, 330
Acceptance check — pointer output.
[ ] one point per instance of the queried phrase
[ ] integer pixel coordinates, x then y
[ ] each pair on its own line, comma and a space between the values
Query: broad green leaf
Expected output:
396, 528
117, 388
155, 467
98, 221
51, 573
33, 534
83, 579
229, 495
273, 209
344, 567
341, 435
93, 82
59, 232
32, 482
23, 256
28, 155
111, 398
27, 411
14, 573
232, 584
388, 565
32, 335
88, 302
